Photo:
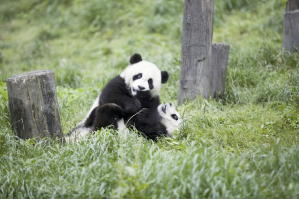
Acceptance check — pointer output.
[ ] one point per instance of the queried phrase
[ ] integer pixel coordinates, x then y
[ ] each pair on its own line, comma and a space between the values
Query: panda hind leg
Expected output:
108, 115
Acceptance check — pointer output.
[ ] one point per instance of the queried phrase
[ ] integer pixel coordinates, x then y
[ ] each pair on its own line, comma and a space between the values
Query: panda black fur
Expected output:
107, 115
151, 122
137, 87
117, 92
157, 122
114, 119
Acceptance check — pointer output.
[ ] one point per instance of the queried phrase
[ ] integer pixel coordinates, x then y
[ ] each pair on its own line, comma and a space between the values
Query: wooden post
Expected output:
219, 61
292, 5
203, 64
196, 48
291, 31
33, 105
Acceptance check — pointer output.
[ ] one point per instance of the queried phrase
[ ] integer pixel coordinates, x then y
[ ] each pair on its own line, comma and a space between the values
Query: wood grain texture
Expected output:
33, 105
219, 63
291, 31
292, 5
196, 48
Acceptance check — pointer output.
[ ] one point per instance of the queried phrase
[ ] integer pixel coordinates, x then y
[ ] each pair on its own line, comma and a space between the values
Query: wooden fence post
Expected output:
291, 31
196, 47
219, 62
203, 64
292, 5
33, 105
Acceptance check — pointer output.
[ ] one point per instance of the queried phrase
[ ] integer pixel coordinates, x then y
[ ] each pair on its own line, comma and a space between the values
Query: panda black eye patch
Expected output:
150, 83
174, 116
137, 76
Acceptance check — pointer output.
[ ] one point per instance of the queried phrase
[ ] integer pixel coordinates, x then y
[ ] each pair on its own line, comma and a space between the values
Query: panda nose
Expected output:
141, 88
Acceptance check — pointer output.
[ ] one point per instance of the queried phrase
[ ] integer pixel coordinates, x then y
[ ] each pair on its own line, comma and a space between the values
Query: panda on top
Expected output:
132, 98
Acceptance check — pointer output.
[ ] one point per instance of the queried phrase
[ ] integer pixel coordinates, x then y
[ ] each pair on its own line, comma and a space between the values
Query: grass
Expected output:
241, 145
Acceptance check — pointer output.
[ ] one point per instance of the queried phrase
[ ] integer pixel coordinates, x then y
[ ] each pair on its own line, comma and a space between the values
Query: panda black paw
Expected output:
133, 107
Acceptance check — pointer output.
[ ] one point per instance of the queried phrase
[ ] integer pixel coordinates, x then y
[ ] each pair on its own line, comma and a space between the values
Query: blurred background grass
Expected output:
242, 145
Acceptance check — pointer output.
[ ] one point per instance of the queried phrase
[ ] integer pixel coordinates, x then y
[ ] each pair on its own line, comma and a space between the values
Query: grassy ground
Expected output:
242, 145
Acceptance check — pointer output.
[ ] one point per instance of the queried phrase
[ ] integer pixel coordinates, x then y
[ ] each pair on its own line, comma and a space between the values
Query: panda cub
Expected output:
159, 122
107, 115
151, 122
138, 86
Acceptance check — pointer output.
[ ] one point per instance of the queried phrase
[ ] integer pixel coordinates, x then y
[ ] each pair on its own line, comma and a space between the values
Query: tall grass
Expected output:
242, 145
118, 166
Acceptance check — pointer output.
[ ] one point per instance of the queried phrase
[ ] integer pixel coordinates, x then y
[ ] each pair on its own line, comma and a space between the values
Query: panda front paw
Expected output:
133, 107
137, 104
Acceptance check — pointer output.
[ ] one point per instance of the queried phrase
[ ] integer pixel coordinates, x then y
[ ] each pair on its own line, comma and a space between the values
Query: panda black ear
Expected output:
135, 58
165, 76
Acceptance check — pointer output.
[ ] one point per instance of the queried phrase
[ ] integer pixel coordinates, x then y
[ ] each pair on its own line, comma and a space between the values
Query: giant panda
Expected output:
107, 115
137, 86
156, 122
153, 123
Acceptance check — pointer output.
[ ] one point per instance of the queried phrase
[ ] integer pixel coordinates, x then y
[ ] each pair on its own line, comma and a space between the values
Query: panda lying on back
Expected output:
151, 122
159, 122
137, 87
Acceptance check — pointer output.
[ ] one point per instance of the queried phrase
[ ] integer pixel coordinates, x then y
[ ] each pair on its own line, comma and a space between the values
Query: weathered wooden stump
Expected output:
196, 47
292, 5
203, 64
218, 68
291, 31
33, 105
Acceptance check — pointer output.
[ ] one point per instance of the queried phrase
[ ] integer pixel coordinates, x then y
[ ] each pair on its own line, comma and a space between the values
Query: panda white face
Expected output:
142, 75
171, 119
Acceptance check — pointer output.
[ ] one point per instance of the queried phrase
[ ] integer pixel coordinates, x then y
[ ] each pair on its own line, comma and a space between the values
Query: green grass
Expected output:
241, 145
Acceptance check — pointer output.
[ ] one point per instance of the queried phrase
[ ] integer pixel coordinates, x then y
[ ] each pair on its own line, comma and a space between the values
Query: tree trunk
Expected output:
33, 105
292, 5
220, 54
196, 48
291, 31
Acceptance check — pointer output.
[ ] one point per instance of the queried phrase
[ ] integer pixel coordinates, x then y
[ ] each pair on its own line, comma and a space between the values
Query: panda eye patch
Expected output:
150, 83
138, 76
174, 116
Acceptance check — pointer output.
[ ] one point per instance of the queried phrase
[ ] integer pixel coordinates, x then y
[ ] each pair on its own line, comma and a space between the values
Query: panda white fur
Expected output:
158, 122
137, 87
151, 122
108, 115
